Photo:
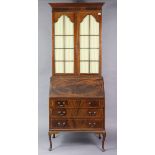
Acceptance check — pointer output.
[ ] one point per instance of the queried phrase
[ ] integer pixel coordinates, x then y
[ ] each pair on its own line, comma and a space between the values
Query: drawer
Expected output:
76, 124
76, 103
78, 113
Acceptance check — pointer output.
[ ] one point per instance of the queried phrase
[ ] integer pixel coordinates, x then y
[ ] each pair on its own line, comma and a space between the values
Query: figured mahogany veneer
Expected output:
76, 108
76, 103
77, 124
76, 113
77, 87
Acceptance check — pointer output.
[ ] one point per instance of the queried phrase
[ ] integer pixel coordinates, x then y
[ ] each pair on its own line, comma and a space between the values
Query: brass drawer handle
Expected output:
92, 124
93, 103
89, 103
62, 113
61, 104
58, 124
92, 113
61, 124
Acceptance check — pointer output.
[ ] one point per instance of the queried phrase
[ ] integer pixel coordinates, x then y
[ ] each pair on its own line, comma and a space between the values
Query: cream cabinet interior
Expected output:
64, 45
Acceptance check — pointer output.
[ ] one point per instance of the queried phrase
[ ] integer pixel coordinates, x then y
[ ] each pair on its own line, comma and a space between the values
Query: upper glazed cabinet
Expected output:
77, 42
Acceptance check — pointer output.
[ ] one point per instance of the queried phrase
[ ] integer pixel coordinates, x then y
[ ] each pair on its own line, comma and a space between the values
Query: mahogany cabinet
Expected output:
76, 98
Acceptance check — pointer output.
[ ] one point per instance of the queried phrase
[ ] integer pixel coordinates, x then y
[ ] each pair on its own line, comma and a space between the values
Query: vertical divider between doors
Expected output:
89, 46
77, 50
64, 33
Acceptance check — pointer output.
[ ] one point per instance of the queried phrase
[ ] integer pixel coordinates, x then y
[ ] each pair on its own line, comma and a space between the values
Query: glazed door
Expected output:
77, 43
63, 41
90, 42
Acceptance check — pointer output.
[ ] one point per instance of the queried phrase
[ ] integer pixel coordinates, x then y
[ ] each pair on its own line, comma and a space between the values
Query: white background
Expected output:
19, 76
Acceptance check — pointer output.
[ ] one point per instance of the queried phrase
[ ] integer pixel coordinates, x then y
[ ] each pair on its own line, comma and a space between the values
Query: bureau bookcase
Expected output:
76, 97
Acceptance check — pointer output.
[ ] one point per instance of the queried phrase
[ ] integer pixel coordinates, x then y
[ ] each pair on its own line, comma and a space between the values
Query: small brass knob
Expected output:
92, 124
64, 123
92, 113
59, 124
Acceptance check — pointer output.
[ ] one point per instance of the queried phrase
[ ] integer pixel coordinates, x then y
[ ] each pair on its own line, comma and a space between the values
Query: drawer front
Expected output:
78, 113
76, 103
75, 124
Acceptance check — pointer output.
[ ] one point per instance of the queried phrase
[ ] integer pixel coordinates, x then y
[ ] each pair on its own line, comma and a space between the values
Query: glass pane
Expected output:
69, 54
84, 67
59, 42
84, 54
94, 41
94, 67
59, 54
94, 54
59, 67
58, 26
94, 26
84, 42
84, 26
69, 42
69, 67
69, 27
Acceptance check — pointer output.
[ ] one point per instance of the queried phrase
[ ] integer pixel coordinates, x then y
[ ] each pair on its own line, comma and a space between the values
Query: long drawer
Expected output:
76, 124
76, 112
76, 103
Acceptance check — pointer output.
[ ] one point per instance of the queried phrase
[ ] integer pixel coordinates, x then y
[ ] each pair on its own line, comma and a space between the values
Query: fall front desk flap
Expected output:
76, 87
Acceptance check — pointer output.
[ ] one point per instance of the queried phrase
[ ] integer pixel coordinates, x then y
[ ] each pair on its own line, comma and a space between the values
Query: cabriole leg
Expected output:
104, 135
53, 135
50, 141
99, 136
